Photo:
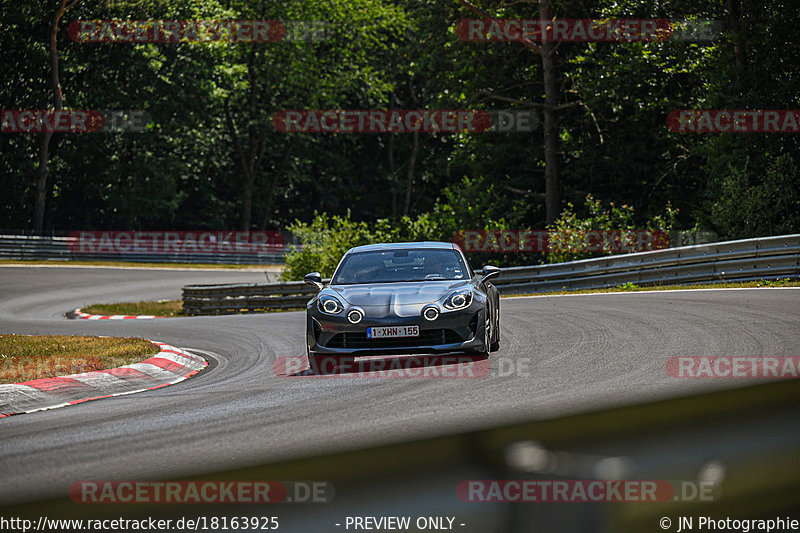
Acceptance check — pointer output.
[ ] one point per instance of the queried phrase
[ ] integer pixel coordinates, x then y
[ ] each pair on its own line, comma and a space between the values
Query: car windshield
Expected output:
387, 266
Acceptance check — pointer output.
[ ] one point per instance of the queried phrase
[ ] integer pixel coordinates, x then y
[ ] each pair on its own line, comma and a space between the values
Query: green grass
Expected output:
630, 287
131, 264
166, 308
25, 357
163, 308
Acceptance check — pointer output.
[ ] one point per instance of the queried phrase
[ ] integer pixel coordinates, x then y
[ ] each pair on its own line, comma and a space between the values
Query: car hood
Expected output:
394, 294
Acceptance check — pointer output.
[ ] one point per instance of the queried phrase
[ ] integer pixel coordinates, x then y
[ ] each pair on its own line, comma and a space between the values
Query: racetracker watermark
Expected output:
177, 242
176, 31
405, 121
586, 30
540, 241
307, 31
737, 367
13, 367
202, 492
72, 121
583, 490
734, 121
400, 367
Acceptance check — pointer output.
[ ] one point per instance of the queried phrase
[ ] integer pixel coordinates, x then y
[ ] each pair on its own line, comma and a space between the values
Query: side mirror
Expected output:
314, 279
488, 272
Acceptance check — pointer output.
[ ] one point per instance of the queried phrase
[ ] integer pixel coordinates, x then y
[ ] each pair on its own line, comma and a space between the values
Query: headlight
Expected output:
330, 305
355, 315
458, 300
430, 313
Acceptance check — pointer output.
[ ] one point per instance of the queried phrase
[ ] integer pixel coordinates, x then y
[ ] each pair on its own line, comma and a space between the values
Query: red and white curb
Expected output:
77, 313
171, 365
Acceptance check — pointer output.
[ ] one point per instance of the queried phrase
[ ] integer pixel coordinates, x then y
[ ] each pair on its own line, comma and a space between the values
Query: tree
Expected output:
546, 52
58, 104
254, 83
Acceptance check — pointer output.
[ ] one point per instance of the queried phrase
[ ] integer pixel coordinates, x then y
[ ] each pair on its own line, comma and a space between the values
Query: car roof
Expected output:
403, 245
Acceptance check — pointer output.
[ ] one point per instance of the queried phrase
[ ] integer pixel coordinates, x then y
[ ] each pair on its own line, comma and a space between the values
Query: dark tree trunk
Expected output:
249, 156
550, 78
392, 174
58, 104
279, 176
551, 140
412, 164
247, 202
40, 198
740, 55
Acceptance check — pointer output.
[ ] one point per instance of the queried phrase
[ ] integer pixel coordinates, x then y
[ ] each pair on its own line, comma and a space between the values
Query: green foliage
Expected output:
326, 238
324, 242
747, 203
185, 172
780, 282
568, 232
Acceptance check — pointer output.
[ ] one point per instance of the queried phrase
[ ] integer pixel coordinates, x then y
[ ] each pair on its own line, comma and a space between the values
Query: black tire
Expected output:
314, 363
323, 364
327, 364
487, 347
495, 345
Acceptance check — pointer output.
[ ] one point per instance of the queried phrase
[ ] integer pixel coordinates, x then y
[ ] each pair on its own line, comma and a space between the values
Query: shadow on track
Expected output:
441, 366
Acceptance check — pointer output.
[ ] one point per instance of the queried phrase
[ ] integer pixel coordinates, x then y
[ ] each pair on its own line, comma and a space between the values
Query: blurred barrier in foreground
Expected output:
743, 260
729, 453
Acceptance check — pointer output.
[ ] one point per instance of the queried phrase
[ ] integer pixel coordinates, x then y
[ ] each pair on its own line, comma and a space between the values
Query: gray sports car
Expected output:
411, 297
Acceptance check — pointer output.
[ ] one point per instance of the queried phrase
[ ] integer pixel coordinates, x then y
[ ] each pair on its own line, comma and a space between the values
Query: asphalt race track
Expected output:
559, 355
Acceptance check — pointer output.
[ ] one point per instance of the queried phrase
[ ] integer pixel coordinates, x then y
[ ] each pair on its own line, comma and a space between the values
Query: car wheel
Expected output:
487, 346
496, 337
316, 363
330, 364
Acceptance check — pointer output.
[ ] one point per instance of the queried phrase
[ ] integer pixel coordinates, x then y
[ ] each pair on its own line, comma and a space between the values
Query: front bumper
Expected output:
453, 331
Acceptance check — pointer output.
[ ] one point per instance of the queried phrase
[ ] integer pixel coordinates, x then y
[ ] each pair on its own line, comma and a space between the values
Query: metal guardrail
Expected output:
19, 247
245, 297
56, 248
743, 260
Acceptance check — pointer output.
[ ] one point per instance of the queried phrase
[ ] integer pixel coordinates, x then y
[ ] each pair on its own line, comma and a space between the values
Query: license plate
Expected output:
392, 331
